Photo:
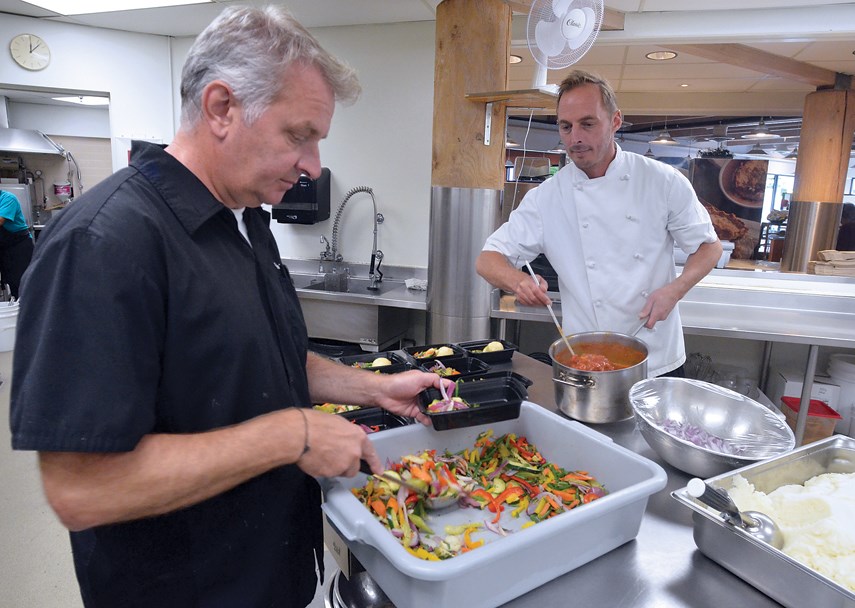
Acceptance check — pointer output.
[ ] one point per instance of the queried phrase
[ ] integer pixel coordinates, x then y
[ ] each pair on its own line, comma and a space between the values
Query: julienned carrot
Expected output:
578, 475
563, 494
379, 508
589, 497
552, 502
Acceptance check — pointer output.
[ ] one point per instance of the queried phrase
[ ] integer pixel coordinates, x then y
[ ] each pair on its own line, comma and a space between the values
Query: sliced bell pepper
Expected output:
468, 542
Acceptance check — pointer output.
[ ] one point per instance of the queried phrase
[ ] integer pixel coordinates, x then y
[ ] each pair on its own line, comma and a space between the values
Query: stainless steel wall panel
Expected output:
811, 227
458, 300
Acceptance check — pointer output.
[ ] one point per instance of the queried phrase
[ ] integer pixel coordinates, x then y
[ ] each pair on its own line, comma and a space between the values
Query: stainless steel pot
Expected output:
596, 397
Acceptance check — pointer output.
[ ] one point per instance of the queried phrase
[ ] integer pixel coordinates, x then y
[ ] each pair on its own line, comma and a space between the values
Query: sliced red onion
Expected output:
495, 528
498, 470
698, 436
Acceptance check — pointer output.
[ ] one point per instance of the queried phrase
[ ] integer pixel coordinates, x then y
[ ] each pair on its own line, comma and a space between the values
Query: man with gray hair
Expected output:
175, 432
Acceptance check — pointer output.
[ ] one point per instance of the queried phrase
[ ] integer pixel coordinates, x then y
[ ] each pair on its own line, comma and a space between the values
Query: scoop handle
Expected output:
717, 499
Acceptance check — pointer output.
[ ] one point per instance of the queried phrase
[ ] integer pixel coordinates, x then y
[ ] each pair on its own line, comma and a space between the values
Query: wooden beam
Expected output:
472, 46
760, 61
613, 21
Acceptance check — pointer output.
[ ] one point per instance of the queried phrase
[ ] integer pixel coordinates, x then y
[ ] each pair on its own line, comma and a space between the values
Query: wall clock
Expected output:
30, 52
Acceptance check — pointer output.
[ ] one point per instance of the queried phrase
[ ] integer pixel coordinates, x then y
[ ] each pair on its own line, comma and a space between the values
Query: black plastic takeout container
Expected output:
377, 419
465, 365
499, 356
496, 399
399, 362
413, 350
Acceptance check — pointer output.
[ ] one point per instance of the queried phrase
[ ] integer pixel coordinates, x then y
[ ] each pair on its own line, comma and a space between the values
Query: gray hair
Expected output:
577, 78
249, 48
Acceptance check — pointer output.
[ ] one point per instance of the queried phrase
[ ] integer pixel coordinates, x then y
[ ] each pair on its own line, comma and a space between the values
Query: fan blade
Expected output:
560, 7
579, 37
547, 35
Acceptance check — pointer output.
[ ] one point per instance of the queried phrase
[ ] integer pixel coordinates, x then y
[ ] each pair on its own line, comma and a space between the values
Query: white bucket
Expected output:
8, 321
841, 370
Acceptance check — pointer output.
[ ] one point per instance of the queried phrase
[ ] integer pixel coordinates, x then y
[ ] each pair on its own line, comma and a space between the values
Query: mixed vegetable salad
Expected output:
449, 402
506, 474
336, 408
443, 370
430, 353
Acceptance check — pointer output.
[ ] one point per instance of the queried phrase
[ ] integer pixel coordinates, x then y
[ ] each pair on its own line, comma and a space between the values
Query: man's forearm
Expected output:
698, 265
166, 472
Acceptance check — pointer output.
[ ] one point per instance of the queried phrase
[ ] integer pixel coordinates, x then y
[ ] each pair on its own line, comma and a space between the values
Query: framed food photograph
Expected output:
732, 191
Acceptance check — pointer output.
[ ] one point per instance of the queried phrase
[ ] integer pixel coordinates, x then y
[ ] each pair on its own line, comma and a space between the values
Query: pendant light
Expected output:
757, 151
649, 153
794, 153
664, 137
761, 132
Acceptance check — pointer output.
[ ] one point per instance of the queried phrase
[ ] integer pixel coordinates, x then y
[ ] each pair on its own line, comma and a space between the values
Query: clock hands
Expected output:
33, 48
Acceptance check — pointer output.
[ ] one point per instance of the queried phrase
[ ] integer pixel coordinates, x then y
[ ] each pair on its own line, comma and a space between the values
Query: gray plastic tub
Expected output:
771, 571
504, 568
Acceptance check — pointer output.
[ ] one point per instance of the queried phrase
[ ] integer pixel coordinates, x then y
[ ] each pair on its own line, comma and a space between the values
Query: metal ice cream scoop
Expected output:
758, 525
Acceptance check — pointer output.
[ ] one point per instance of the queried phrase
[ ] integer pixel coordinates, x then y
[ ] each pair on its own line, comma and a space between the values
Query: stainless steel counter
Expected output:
771, 307
661, 568
801, 309
372, 318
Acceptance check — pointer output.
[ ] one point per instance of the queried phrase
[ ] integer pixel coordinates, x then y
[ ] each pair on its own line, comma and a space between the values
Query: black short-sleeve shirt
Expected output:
144, 310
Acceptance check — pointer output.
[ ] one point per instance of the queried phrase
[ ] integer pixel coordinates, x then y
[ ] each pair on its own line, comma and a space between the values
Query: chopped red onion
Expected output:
701, 438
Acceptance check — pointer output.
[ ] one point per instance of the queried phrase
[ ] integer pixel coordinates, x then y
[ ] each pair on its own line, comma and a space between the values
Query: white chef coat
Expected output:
611, 242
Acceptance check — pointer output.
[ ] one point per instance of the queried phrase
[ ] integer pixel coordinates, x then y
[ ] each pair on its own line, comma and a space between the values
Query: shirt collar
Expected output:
190, 201
618, 165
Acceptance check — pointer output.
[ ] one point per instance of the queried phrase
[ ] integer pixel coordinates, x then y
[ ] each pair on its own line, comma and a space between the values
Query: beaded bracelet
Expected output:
306, 433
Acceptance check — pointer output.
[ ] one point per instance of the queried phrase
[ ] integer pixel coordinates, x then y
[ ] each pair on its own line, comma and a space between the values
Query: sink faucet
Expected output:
331, 253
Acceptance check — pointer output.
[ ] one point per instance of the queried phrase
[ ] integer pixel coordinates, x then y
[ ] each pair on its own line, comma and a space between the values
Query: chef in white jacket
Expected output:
607, 222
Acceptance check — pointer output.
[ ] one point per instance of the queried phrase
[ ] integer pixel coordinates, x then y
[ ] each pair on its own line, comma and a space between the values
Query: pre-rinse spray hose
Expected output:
338, 213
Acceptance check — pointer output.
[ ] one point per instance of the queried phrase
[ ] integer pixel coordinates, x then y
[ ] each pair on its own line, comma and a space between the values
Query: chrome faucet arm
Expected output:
376, 255
326, 254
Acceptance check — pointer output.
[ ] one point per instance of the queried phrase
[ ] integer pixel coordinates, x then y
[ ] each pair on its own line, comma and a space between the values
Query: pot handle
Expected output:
576, 381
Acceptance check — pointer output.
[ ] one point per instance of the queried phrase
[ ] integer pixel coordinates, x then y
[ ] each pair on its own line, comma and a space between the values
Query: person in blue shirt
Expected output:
16, 242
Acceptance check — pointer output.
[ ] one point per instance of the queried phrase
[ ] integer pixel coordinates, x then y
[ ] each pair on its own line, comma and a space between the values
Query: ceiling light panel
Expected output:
87, 7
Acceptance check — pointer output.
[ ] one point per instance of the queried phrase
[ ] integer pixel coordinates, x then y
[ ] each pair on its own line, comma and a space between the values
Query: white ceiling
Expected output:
819, 32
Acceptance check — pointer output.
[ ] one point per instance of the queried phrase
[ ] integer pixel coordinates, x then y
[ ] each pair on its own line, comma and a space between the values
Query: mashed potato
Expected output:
817, 519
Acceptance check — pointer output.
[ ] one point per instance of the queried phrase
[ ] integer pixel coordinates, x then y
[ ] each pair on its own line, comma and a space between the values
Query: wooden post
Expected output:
828, 125
472, 46
816, 206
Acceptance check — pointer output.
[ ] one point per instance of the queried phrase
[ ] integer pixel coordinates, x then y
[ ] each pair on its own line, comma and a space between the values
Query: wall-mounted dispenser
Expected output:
307, 202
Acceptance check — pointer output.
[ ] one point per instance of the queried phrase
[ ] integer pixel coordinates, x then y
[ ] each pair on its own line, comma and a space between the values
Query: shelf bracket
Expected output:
488, 121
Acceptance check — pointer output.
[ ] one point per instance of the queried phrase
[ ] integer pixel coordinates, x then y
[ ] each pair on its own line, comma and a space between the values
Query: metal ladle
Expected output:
552, 313
759, 525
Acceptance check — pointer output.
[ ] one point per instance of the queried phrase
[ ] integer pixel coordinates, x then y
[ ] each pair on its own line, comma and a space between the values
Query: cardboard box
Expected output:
788, 382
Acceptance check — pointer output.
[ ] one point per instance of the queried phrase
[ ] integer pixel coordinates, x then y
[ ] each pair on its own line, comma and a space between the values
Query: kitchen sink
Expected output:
338, 306
343, 284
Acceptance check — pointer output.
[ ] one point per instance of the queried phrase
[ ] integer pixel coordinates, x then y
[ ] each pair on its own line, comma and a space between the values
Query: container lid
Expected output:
817, 408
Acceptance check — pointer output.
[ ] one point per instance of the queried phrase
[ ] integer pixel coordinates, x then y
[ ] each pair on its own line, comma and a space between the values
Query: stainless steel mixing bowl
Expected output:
743, 430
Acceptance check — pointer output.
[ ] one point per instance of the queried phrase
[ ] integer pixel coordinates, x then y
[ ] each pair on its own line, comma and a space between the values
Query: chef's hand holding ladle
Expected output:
551, 312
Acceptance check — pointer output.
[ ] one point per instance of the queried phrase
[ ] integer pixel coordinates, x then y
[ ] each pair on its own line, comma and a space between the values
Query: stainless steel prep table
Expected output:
772, 307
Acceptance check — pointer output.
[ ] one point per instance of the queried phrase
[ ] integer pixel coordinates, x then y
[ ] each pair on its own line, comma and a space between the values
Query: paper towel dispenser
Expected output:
307, 202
